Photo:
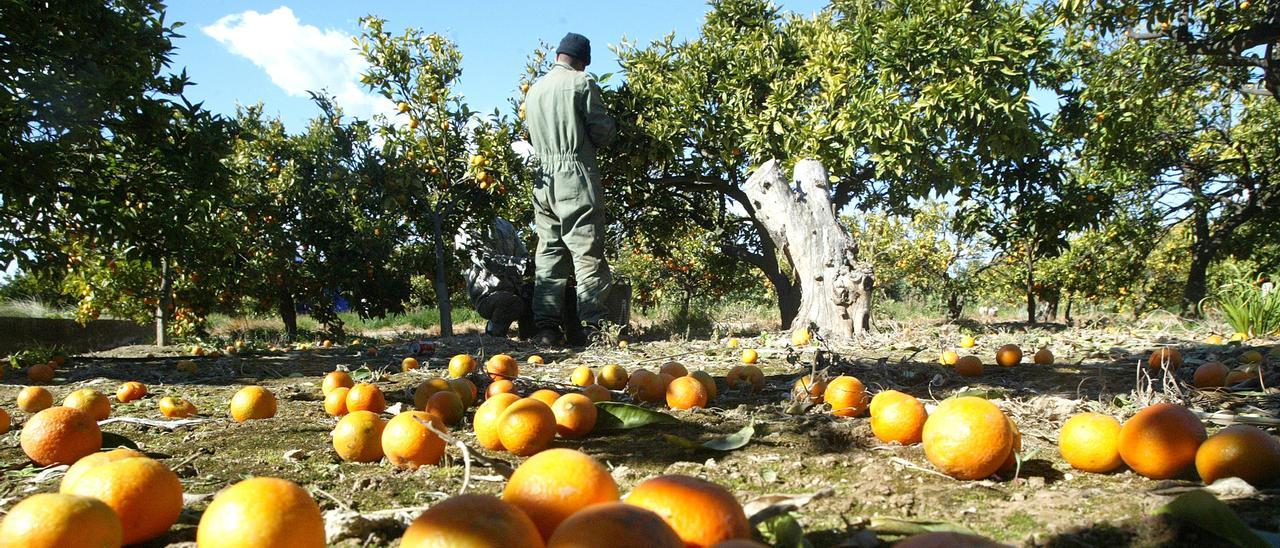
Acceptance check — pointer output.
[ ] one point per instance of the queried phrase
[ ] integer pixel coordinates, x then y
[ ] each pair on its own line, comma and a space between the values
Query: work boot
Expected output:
496, 329
549, 336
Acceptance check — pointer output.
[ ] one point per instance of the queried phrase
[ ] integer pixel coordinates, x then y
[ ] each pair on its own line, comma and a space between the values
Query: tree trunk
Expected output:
162, 305
442, 286
288, 310
955, 302
1066, 317
788, 293
1202, 252
1031, 286
834, 287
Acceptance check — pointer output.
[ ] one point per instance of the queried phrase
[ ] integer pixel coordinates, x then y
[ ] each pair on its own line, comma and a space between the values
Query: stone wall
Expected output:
19, 333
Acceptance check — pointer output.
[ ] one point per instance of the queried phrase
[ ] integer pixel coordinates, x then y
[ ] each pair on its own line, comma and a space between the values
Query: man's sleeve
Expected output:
600, 126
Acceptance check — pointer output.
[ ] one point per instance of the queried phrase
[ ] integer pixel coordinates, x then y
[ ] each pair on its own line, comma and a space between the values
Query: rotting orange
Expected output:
664, 380
485, 421
358, 437
805, 388
1044, 356
575, 415
745, 376
846, 395
472, 521
466, 391
55, 520
624, 525
60, 435
255, 403
461, 365
897, 417
366, 397
527, 427
94, 459
1240, 451
428, 388
686, 393
499, 386
546, 395
1241, 374
675, 369
700, 512
969, 366
1210, 375
408, 443
262, 512
34, 399
550, 486
41, 373
1160, 441
335, 402
336, 379
1009, 355
90, 401
145, 494
967, 438
582, 376
446, 406
131, 391
176, 408
1091, 442
1167, 357
707, 382
597, 393
613, 377
502, 366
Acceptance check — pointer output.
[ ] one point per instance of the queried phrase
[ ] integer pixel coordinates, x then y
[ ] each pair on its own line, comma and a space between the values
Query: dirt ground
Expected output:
855, 490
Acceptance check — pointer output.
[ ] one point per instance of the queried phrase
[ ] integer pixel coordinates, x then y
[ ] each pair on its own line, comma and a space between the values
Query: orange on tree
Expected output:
90, 401
967, 438
499, 386
40, 373
335, 402
102, 457
1167, 357
1044, 356
131, 391
261, 512
675, 369
707, 382
367, 397
948, 357
465, 389
624, 525
969, 366
700, 512
336, 379
582, 376
485, 422
1091, 442
428, 388
358, 437
176, 408
408, 443
527, 427
612, 376
34, 399
546, 395
1160, 441
805, 388
597, 393
686, 393
1240, 451
552, 485
897, 417
60, 435
575, 415
56, 520
846, 395
502, 366
446, 406
472, 521
750, 356
461, 365
409, 364
145, 494
1210, 375
1009, 355
255, 403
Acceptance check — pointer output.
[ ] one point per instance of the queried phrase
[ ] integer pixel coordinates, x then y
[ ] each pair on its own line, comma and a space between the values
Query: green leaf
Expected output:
979, 393
783, 531
362, 374
1207, 512
733, 441
624, 416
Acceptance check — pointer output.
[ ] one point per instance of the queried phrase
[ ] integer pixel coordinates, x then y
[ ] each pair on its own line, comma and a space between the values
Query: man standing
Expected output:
567, 123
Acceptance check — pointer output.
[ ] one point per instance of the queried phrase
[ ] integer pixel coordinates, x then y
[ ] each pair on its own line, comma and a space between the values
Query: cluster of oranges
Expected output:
1008, 355
42, 373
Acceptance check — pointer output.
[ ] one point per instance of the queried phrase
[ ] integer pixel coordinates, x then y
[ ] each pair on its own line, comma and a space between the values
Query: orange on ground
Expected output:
967, 342
465, 389
472, 521
176, 408
527, 427
1210, 375
262, 512
969, 366
102, 457
60, 435
4, 421
336, 379
1167, 357
575, 415
145, 494
624, 525
1010, 464
1009, 355
896, 416
1091, 442
675, 369
409, 364
707, 382
613, 377
502, 366
846, 395
40, 373
552, 485
358, 437
446, 406
701, 512
366, 397
536, 360
745, 375
582, 376
806, 389
597, 393
131, 391
54, 520
1160, 441
967, 438
546, 395
335, 402
1240, 375
499, 386
256, 402
461, 365
750, 356
801, 337
1240, 451
948, 357
664, 380
34, 399
90, 401
428, 388
485, 421
1043, 357
686, 393
645, 385
408, 443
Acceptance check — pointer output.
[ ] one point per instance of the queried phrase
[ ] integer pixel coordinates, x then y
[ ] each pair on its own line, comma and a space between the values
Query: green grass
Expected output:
32, 308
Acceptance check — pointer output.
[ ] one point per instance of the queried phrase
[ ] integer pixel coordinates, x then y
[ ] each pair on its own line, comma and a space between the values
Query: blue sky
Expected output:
243, 51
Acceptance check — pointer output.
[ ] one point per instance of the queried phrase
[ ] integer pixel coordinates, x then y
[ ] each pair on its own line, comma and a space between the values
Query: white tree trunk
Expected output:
835, 288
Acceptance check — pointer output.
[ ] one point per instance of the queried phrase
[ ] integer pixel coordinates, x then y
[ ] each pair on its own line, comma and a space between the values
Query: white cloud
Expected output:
300, 58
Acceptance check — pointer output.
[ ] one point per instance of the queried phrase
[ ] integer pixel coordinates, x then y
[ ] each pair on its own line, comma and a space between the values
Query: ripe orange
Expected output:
645, 385
527, 427
60, 435
461, 365
4, 421
613, 377
582, 376
54, 520
131, 391
707, 382
969, 366
750, 356
94, 459
90, 401
1160, 442
409, 364
675, 369
1090, 442
335, 402
485, 421
499, 386
552, 485
967, 342
536, 360
1167, 357
366, 397
546, 395
686, 393
701, 512
575, 415
336, 379
801, 337
948, 357
358, 437
34, 399
428, 388
145, 494
1210, 375
446, 406
1009, 355
465, 389
896, 416
967, 438
847, 396
624, 525
408, 443
1043, 357
262, 512
502, 366
40, 373
597, 393
469, 521
256, 402
176, 407
806, 389
1240, 451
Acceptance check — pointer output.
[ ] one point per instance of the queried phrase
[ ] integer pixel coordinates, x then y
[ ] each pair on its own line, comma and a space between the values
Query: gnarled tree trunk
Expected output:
835, 287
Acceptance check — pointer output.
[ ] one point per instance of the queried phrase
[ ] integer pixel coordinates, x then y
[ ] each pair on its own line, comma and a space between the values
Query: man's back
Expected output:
566, 118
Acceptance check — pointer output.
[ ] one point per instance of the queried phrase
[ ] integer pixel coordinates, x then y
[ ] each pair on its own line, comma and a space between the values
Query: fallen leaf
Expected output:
624, 416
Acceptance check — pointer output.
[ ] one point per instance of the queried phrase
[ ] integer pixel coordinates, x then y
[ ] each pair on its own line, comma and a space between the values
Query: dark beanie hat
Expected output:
576, 45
